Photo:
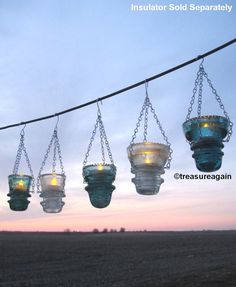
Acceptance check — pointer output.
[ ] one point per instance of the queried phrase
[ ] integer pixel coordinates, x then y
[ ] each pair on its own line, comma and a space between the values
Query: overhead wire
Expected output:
125, 89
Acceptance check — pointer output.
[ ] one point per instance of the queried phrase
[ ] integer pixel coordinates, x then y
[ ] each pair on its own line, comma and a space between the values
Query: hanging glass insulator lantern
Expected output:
99, 177
52, 184
19, 193
19, 184
52, 192
147, 163
148, 159
207, 133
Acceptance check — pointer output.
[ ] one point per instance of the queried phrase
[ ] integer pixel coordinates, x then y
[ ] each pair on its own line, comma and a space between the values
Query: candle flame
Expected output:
148, 160
147, 152
54, 181
205, 125
20, 184
100, 167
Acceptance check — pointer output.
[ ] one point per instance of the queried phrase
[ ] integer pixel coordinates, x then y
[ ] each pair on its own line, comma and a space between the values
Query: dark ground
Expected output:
178, 259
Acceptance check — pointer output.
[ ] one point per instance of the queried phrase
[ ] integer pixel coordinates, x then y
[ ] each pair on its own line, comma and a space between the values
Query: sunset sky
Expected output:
59, 54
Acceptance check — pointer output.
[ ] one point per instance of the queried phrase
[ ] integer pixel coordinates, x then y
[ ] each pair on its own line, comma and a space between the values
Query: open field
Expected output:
166, 259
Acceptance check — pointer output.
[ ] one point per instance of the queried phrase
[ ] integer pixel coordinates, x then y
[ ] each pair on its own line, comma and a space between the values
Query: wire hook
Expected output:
146, 90
22, 132
99, 111
56, 122
201, 64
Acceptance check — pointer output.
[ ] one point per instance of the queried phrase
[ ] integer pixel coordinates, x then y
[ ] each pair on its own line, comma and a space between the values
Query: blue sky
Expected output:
58, 54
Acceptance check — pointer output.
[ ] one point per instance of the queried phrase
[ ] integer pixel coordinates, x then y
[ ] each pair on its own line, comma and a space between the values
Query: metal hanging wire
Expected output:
103, 139
22, 148
56, 152
198, 86
115, 93
144, 111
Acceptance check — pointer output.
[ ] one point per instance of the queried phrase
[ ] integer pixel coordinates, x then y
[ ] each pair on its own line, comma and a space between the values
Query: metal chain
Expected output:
106, 142
21, 148
145, 124
199, 83
199, 108
103, 140
44, 162
18, 155
60, 156
91, 142
29, 166
54, 140
54, 152
163, 134
147, 104
146, 115
139, 121
230, 130
193, 96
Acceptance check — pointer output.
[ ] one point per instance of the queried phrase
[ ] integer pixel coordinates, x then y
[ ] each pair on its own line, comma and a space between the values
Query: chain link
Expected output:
21, 148
54, 153
193, 96
146, 115
199, 83
106, 142
60, 156
147, 104
199, 108
30, 168
145, 124
139, 121
164, 136
18, 155
57, 149
230, 130
103, 140
91, 142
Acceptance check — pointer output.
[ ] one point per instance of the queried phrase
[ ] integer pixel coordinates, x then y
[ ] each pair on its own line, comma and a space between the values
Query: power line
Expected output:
126, 88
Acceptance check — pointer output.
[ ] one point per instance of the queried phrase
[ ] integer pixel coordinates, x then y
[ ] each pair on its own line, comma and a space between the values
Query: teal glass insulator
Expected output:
148, 161
19, 191
206, 134
99, 178
52, 192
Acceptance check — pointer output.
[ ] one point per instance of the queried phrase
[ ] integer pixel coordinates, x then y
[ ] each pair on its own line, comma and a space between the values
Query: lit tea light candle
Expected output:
21, 185
147, 152
148, 160
54, 181
54, 185
100, 167
205, 125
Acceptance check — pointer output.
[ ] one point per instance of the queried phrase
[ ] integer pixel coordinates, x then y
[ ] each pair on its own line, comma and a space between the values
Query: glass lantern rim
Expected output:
97, 164
207, 117
93, 168
161, 145
53, 174
21, 175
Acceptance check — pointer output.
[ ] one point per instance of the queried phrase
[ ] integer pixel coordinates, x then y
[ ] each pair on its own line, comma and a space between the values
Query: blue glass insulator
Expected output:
99, 178
19, 191
206, 134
